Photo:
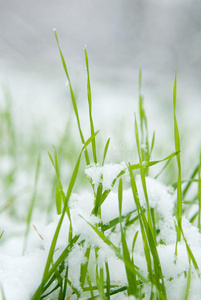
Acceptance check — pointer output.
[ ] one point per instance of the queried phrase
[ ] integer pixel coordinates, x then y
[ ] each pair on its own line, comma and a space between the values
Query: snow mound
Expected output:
104, 174
20, 276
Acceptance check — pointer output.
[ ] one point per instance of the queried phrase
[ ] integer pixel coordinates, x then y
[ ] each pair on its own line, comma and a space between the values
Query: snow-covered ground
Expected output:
43, 114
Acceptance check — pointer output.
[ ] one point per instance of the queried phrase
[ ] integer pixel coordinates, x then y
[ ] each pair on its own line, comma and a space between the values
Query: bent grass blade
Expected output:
93, 143
72, 98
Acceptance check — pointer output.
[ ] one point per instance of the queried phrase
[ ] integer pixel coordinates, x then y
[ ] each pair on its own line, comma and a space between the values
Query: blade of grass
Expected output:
49, 273
65, 284
152, 163
137, 140
31, 207
190, 253
84, 267
199, 195
163, 168
152, 144
178, 149
149, 244
107, 281
58, 200
105, 151
188, 284
2, 293
90, 107
72, 98
114, 222
90, 288
150, 221
100, 283
186, 188
56, 234
133, 245
144, 238
98, 200
131, 276
144, 143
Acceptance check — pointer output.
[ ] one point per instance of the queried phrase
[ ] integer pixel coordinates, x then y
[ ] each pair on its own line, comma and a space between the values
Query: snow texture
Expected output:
21, 275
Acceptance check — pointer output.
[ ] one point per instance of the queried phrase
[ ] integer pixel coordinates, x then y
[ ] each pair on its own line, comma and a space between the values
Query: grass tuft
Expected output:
113, 231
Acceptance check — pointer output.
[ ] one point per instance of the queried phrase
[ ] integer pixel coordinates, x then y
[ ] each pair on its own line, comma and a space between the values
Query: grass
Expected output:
95, 276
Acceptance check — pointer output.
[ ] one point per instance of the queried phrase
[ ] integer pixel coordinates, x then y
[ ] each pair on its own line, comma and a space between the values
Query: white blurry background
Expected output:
121, 36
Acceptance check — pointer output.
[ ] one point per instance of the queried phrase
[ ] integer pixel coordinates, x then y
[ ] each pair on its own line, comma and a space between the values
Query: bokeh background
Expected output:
121, 36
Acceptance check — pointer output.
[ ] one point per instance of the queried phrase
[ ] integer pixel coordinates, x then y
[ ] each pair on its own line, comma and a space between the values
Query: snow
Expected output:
104, 174
21, 275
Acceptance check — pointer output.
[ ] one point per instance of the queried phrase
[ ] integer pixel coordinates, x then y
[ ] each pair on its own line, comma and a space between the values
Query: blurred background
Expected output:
121, 37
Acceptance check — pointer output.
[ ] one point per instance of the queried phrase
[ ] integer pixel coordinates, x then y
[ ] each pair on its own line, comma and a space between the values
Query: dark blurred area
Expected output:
119, 34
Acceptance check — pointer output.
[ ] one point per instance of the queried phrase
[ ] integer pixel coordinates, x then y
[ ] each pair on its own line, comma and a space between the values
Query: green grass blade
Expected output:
137, 139
89, 140
65, 284
90, 288
177, 148
142, 174
72, 98
190, 254
90, 107
105, 151
58, 199
186, 188
188, 285
84, 267
149, 244
112, 223
199, 196
56, 234
48, 274
154, 162
163, 168
152, 144
133, 245
100, 284
120, 198
31, 207
131, 276
56, 167
140, 212
107, 281
169, 157
2, 293
98, 200
65, 208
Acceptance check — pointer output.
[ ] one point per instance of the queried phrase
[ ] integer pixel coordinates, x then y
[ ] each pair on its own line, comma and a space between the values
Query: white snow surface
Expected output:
104, 174
21, 275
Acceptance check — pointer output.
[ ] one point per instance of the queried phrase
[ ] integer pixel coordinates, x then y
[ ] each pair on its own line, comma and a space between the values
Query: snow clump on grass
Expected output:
28, 269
